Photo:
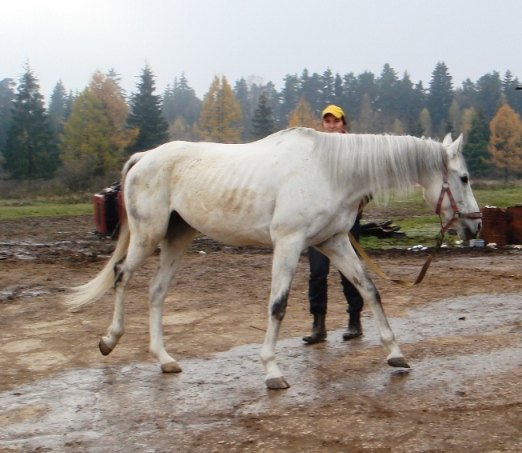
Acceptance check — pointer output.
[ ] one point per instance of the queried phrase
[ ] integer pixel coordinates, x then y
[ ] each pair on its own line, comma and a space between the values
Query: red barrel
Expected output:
514, 224
494, 225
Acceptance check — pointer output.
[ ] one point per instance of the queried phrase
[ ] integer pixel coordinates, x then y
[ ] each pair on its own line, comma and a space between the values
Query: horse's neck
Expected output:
378, 163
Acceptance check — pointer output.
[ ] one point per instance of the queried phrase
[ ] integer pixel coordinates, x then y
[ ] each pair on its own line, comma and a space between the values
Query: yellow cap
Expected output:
333, 110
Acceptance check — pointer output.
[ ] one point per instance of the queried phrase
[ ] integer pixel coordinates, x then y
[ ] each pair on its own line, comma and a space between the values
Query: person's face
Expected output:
332, 124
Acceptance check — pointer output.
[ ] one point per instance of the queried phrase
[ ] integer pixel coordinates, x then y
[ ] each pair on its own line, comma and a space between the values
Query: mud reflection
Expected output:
32, 250
134, 404
14, 292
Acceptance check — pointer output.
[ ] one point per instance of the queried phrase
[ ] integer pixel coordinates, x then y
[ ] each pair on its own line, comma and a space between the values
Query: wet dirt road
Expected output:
461, 331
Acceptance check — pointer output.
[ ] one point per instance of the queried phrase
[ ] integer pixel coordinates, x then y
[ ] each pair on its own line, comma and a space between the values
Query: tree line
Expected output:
82, 138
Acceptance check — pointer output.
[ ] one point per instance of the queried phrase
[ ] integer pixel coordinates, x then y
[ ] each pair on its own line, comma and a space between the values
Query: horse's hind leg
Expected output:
343, 257
286, 257
179, 237
123, 271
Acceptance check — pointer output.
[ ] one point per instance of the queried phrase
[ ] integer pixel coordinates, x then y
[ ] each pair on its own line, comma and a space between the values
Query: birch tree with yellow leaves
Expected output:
505, 142
95, 135
220, 119
303, 116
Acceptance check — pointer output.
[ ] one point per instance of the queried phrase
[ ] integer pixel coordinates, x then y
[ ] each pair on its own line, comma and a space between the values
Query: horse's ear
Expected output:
447, 140
455, 148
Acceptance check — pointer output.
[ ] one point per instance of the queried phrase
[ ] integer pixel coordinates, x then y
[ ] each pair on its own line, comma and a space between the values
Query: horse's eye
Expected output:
464, 179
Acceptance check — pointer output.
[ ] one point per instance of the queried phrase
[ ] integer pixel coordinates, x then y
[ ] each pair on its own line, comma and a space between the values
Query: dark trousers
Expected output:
318, 283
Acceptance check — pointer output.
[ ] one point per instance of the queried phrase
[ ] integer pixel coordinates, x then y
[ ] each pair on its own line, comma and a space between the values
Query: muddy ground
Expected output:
461, 331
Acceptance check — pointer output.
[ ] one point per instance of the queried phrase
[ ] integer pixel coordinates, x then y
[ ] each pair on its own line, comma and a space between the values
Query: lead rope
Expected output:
375, 268
444, 227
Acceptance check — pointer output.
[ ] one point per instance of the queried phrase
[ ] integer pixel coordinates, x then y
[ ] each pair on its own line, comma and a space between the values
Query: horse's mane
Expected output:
379, 162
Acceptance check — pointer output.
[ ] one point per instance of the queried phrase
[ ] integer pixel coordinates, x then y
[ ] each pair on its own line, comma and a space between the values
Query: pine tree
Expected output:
338, 90
245, 98
365, 85
388, 95
30, 151
505, 141
467, 95
407, 107
489, 94
58, 109
273, 100
181, 101
509, 89
439, 98
328, 87
7, 97
349, 100
290, 96
476, 148
262, 123
146, 114
221, 118
366, 119
312, 90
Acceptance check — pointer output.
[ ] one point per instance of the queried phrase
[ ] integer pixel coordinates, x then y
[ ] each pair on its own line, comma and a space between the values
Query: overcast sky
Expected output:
268, 39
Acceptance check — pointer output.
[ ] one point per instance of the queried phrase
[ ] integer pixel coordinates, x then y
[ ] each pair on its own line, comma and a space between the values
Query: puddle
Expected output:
32, 250
136, 405
15, 292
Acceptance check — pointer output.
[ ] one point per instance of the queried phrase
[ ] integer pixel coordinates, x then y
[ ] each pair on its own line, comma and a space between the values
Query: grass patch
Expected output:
44, 210
501, 198
415, 219
417, 229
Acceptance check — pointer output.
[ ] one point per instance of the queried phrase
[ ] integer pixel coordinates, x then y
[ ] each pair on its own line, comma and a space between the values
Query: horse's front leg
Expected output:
285, 259
344, 258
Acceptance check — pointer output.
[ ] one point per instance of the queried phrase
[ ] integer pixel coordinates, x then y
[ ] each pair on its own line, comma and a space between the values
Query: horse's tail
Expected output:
92, 291
131, 161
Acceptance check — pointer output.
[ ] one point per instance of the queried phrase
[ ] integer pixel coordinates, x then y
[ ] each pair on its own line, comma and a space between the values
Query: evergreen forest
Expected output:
79, 140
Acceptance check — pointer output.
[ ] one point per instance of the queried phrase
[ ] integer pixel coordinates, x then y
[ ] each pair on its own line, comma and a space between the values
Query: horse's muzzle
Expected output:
470, 228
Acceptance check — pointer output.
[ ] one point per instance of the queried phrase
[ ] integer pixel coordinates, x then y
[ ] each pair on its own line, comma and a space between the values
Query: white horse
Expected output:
293, 189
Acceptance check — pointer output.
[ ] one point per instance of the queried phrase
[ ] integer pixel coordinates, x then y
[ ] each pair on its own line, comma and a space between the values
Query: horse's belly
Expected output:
236, 235
232, 228
236, 217
240, 237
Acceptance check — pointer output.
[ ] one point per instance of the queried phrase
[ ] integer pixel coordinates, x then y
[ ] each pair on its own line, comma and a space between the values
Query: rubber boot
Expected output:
318, 330
354, 328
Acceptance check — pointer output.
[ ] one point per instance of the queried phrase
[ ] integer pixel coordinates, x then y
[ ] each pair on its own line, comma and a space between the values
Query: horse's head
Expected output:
451, 194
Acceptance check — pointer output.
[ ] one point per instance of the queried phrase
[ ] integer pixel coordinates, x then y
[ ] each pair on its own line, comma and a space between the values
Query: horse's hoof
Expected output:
171, 367
104, 349
398, 362
277, 383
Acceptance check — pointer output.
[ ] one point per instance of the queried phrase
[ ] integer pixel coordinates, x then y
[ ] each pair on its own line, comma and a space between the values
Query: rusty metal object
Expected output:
502, 226
514, 224
494, 225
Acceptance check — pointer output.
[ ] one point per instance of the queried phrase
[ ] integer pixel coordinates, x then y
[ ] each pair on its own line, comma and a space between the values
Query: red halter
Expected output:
445, 189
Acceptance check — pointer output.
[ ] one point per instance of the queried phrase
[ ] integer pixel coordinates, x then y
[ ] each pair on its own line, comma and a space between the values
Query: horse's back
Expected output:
226, 191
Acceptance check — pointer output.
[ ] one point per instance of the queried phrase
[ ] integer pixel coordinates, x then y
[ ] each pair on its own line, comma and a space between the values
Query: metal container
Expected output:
514, 224
494, 225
